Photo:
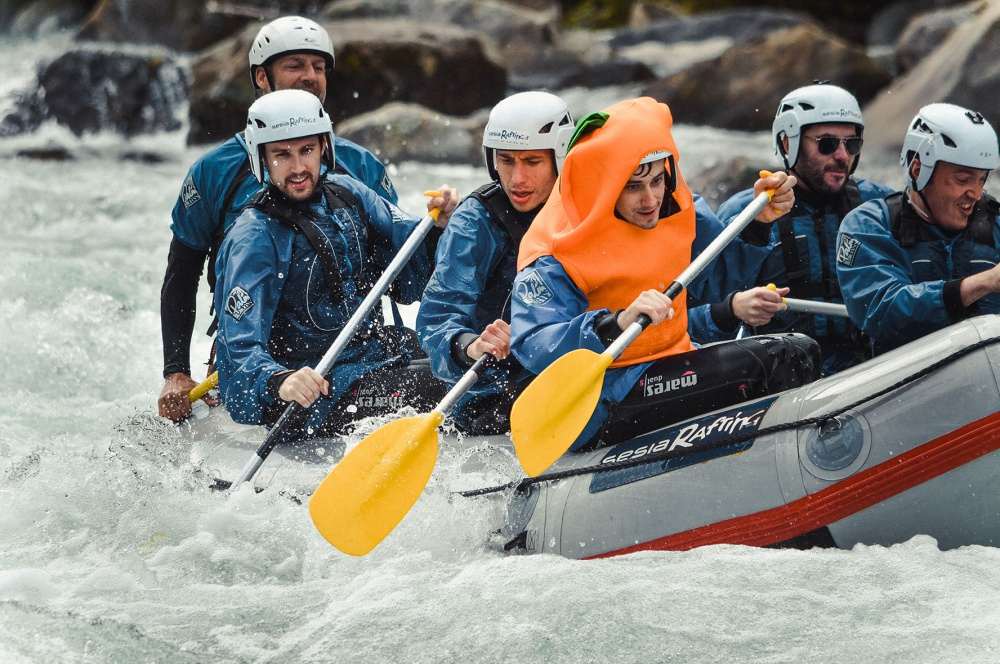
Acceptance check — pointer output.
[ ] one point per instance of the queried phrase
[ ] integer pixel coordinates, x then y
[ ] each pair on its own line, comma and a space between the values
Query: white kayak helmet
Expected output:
528, 121
820, 103
946, 132
281, 116
289, 34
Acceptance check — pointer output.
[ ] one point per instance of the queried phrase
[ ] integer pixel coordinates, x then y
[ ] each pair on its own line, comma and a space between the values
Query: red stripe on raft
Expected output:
842, 499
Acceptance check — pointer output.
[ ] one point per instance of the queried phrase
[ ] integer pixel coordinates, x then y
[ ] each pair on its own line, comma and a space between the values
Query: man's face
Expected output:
294, 165
527, 176
640, 200
952, 193
825, 173
295, 71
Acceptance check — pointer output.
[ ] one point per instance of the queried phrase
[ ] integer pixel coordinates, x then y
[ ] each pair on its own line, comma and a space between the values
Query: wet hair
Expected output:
643, 170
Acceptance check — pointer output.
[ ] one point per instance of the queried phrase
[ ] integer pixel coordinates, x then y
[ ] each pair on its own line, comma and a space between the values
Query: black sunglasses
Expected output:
829, 144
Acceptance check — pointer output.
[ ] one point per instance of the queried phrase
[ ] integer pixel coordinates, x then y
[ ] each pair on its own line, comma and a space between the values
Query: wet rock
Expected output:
720, 181
409, 132
612, 72
962, 70
90, 90
925, 33
437, 66
889, 22
739, 25
183, 25
644, 13
741, 88
48, 153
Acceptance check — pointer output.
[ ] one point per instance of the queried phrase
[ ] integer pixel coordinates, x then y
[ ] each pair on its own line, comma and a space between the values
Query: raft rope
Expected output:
817, 421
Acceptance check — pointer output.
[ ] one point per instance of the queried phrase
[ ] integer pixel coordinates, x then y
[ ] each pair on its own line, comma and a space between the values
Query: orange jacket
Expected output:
610, 260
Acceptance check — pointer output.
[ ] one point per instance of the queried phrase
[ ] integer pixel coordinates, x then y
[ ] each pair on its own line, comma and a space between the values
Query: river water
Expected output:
112, 548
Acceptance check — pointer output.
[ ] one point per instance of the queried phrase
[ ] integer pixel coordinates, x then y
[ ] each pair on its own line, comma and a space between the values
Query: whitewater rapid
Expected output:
113, 549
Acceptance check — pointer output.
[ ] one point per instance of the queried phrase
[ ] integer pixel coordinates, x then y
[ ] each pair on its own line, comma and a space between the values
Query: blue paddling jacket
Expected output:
474, 271
798, 251
215, 190
901, 276
280, 308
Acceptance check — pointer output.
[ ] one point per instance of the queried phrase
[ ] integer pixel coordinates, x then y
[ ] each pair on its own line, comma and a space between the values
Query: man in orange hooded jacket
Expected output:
617, 230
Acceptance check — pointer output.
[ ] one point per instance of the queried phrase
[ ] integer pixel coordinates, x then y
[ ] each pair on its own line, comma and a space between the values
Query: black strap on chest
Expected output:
502, 212
300, 218
797, 270
909, 228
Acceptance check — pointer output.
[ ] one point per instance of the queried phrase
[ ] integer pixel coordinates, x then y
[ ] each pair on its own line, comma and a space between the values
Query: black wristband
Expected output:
607, 327
274, 384
953, 300
756, 233
723, 316
460, 348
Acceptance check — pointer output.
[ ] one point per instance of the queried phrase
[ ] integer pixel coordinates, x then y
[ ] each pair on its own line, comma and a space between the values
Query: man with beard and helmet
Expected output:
618, 228
924, 258
294, 268
465, 309
818, 133
287, 53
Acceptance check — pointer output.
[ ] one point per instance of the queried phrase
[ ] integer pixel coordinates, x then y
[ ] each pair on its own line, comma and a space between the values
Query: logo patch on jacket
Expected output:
189, 193
533, 291
847, 250
238, 303
387, 184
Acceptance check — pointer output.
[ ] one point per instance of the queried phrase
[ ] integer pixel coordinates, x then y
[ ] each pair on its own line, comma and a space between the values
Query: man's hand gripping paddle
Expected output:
274, 436
204, 387
372, 488
556, 406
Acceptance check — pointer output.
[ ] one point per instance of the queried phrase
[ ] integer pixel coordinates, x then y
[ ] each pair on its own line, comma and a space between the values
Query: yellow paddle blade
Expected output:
555, 407
204, 387
376, 484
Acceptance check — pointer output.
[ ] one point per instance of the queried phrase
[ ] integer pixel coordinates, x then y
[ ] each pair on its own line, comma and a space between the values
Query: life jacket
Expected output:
971, 251
608, 259
515, 224
799, 276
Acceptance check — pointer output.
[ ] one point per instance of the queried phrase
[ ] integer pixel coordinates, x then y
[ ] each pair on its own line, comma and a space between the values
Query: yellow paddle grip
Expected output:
435, 212
764, 174
204, 387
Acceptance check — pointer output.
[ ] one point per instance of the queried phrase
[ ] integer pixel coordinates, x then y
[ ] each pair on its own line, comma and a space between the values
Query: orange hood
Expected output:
610, 260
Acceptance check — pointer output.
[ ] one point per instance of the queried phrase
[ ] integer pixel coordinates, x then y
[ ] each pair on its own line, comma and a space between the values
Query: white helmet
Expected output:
945, 132
813, 104
282, 116
528, 121
289, 34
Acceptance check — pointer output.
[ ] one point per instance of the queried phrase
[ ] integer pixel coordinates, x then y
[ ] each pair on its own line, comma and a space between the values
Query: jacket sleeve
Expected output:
549, 316
194, 216
390, 227
246, 297
466, 253
878, 288
178, 305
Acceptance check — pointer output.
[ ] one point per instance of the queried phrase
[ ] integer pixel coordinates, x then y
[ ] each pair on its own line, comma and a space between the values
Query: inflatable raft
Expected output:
909, 449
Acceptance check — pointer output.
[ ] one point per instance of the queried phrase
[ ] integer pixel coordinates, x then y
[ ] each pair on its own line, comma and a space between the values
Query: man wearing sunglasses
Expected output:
818, 133
924, 258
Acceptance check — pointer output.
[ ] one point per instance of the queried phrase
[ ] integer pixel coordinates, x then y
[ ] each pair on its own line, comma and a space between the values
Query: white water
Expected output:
112, 549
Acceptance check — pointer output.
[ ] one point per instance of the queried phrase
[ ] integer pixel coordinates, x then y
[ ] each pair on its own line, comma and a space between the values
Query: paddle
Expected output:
556, 406
372, 488
204, 387
326, 362
814, 307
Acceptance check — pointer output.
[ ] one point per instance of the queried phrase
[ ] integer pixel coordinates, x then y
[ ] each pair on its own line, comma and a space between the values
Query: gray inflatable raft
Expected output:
914, 452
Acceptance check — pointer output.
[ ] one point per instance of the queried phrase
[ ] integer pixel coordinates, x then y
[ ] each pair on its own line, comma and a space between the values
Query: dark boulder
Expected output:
925, 33
182, 25
737, 24
741, 88
89, 90
408, 132
440, 67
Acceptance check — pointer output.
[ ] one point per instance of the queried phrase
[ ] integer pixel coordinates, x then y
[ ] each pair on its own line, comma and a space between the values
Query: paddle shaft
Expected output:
204, 387
813, 307
463, 385
693, 270
326, 362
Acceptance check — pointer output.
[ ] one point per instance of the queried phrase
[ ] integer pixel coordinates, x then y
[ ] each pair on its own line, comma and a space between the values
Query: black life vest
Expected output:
796, 266
909, 228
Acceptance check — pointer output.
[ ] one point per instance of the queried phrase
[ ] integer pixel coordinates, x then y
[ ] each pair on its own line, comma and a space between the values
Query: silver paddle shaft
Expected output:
467, 380
694, 269
417, 236
813, 307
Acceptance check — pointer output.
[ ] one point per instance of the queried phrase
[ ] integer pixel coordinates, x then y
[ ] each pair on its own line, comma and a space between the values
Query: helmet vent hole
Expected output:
565, 121
546, 128
267, 39
260, 123
787, 107
806, 106
920, 125
947, 141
